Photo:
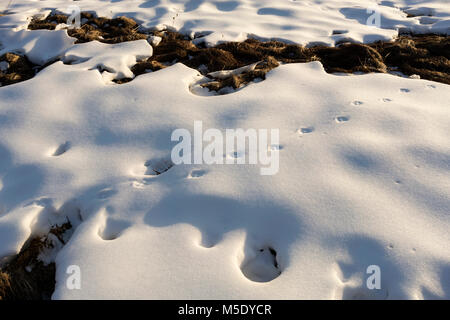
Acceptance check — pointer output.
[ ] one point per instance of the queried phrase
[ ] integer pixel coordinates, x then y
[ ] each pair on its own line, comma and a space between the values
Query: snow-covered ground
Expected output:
300, 21
364, 160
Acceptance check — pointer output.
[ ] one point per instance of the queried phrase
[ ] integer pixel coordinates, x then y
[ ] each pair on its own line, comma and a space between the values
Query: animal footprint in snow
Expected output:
336, 32
138, 184
62, 148
362, 293
387, 100
196, 173
106, 193
275, 147
357, 103
157, 166
112, 228
404, 90
342, 119
355, 285
235, 155
305, 130
262, 266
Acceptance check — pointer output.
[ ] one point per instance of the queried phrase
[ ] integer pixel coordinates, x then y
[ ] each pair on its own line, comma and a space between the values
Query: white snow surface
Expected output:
364, 173
300, 21
115, 59
40, 46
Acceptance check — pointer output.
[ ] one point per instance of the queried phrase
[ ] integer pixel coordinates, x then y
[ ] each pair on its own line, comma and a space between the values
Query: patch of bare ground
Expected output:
92, 28
26, 276
426, 56
175, 47
15, 68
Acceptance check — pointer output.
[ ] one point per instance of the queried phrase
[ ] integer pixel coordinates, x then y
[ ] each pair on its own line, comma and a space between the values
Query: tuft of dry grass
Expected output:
105, 30
18, 68
5, 286
25, 277
237, 80
424, 55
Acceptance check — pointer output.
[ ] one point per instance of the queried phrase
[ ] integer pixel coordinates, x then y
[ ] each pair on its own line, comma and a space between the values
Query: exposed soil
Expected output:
15, 68
427, 56
26, 277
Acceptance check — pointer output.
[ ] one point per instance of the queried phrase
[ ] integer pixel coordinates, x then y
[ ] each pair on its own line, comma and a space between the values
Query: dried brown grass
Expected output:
19, 69
425, 55
25, 277
105, 30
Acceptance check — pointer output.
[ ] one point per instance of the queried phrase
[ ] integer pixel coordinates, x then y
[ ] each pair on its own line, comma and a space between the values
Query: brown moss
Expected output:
25, 277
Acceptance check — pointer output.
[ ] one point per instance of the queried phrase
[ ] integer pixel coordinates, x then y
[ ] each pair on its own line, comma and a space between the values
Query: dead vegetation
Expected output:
92, 28
25, 276
15, 68
424, 55
237, 80
175, 47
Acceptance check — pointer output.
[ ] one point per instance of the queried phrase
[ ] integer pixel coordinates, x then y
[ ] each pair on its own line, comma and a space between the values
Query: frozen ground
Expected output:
364, 161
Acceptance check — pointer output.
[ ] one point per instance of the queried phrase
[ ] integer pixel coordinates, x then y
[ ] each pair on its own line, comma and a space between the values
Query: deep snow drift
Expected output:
363, 174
